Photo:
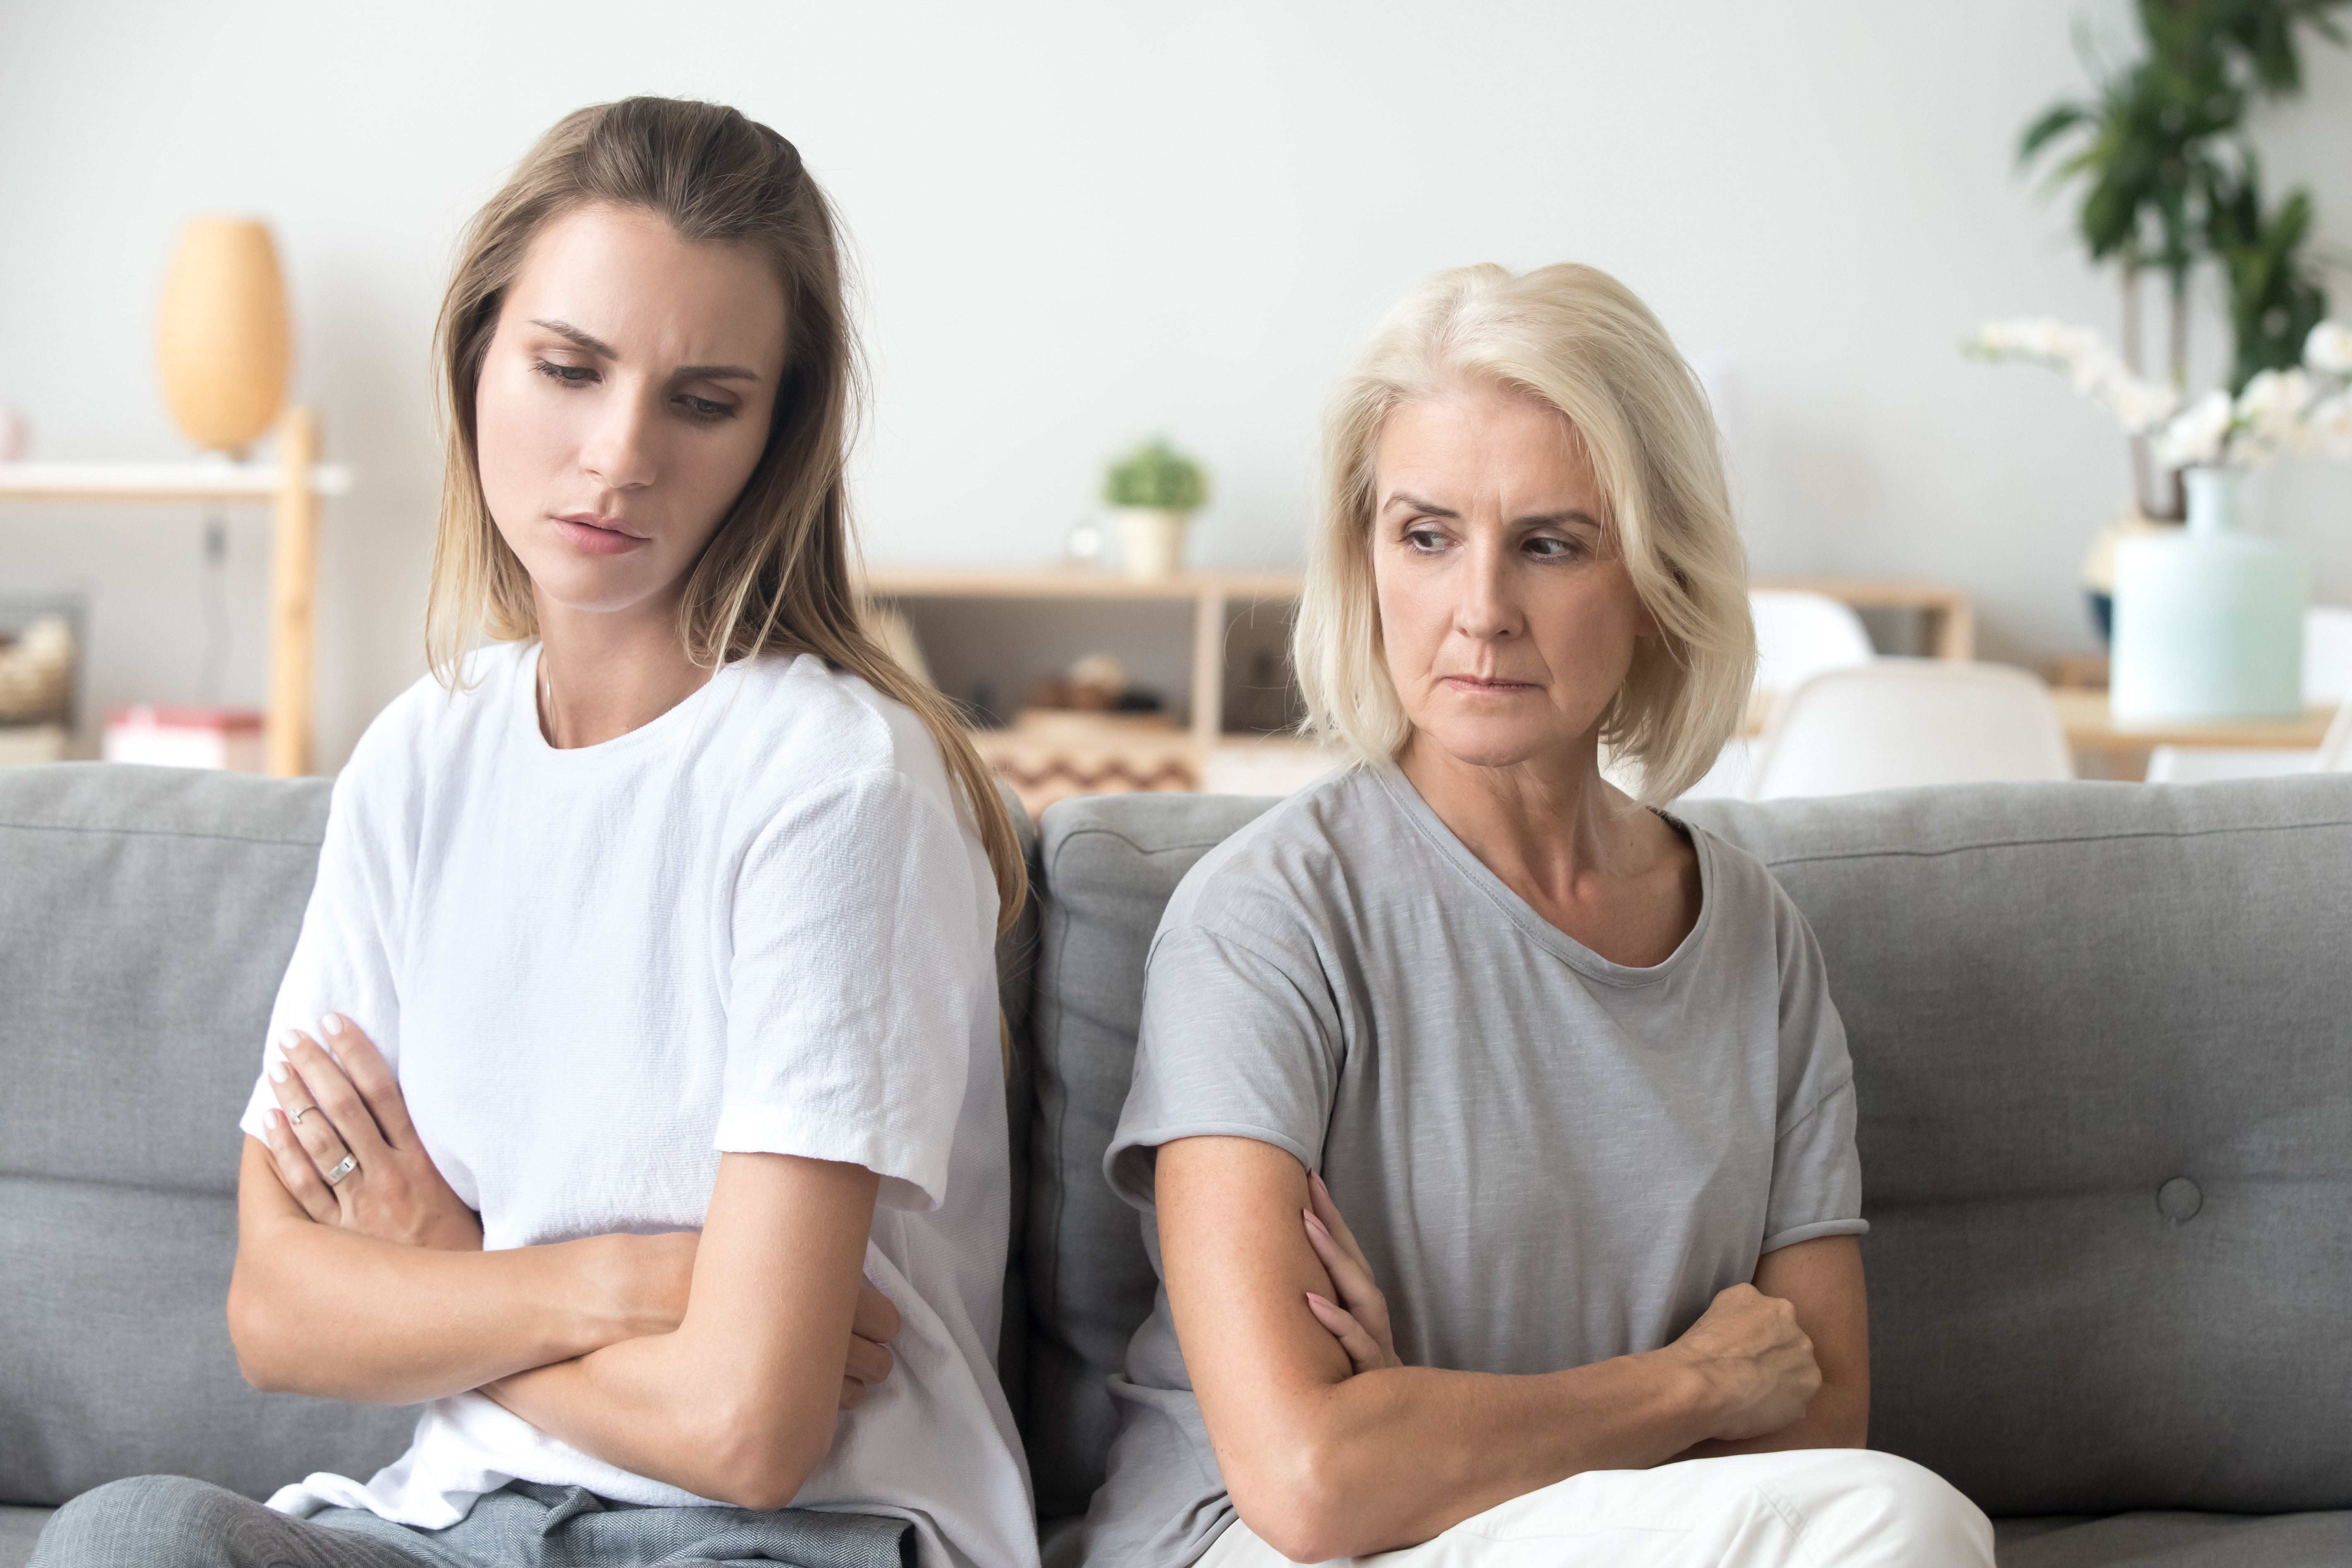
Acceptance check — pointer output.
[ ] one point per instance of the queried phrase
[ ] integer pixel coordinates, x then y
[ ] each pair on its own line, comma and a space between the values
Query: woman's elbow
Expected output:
256, 1334
758, 1457
1303, 1505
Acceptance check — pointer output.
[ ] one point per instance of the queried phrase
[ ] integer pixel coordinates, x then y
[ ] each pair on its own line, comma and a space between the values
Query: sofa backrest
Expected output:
2103, 1048
2103, 1038
146, 916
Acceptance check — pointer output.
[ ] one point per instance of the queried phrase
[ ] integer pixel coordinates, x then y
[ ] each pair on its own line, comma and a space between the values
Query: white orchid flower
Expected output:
2197, 435
2271, 412
2328, 349
2330, 423
2088, 364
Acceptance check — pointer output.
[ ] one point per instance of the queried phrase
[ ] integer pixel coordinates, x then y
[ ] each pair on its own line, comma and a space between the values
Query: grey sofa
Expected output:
2103, 1035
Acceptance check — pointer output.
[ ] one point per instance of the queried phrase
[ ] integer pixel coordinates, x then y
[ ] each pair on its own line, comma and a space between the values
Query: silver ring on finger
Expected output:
296, 1120
342, 1169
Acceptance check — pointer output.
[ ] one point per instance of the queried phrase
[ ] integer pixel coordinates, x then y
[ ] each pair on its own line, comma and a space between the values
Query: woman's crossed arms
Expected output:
715, 1362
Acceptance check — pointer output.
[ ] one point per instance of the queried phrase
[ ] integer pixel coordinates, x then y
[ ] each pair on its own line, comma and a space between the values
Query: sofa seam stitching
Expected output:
1799, 860
158, 833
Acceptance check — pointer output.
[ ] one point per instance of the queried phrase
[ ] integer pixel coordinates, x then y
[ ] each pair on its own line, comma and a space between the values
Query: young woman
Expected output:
634, 1095
1570, 1067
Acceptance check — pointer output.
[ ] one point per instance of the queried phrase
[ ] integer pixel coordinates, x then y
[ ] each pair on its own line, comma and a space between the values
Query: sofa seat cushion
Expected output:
20, 1528
2178, 1540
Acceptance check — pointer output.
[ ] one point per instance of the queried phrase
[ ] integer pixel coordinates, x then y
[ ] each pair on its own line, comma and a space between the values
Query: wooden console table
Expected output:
2092, 729
295, 484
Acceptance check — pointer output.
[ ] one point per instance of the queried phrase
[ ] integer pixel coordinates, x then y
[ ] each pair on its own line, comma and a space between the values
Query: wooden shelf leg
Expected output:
1208, 668
1956, 629
293, 592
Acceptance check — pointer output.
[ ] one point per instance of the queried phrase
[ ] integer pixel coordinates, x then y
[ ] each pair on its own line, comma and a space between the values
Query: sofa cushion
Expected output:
20, 1528
2176, 1541
1109, 865
146, 915
2106, 1125
2099, 1034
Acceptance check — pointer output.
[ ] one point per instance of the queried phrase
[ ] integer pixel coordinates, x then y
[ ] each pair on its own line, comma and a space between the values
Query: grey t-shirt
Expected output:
1548, 1158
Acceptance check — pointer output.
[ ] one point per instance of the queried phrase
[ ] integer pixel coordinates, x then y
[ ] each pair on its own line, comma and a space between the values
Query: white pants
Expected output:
1816, 1508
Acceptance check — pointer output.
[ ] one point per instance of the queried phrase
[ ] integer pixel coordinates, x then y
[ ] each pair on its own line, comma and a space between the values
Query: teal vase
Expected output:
2207, 623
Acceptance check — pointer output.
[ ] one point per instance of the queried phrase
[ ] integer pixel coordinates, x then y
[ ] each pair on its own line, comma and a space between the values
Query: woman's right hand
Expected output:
342, 1114
1758, 1364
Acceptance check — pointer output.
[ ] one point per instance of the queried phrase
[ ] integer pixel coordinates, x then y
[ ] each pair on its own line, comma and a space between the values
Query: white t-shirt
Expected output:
762, 923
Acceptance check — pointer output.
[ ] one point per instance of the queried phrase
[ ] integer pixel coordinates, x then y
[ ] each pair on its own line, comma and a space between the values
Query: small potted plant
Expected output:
1156, 489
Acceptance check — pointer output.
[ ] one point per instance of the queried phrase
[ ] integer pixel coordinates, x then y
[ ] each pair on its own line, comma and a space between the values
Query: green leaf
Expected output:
2055, 121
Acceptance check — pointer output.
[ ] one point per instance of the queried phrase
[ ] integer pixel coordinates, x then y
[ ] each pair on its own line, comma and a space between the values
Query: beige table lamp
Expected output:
222, 337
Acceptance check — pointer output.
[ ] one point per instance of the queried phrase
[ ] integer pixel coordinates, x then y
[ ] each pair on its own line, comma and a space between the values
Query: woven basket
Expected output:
37, 674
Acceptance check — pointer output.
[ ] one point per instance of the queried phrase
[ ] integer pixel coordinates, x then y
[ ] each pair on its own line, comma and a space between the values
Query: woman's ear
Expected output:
1645, 624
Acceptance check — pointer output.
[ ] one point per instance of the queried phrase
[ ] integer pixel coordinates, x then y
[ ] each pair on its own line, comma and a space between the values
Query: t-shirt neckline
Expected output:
621, 750
1574, 953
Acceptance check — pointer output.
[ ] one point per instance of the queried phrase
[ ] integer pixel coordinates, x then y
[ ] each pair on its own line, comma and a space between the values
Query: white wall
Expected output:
1083, 224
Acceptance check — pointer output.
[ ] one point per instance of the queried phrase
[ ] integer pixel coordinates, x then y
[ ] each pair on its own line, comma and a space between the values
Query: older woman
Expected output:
1568, 1065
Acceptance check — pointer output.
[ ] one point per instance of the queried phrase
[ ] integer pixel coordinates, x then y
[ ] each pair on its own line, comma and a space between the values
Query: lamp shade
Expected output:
222, 338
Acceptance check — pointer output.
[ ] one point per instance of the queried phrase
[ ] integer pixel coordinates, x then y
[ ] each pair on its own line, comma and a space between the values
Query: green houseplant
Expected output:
1155, 489
2204, 623
2170, 181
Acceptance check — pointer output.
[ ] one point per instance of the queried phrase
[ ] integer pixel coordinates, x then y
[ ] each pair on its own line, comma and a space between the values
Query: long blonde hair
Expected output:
775, 577
1579, 340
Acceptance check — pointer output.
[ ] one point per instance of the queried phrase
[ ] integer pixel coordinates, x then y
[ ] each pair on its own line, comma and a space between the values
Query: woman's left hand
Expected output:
1360, 1318
347, 1119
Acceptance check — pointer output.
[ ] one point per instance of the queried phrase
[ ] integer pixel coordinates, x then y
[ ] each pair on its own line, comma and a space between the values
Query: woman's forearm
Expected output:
1390, 1458
661, 1407
317, 1309
1330, 1453
740, 1403
1837, 1418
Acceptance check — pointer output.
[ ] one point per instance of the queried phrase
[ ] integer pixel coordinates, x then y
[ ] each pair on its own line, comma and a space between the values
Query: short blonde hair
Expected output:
1578, 340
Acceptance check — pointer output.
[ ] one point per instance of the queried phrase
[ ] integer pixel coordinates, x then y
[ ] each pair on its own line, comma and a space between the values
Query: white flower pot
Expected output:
1152, 541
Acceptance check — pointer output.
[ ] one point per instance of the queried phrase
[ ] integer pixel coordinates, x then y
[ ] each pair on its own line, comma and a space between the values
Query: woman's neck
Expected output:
1584, 855
601, 674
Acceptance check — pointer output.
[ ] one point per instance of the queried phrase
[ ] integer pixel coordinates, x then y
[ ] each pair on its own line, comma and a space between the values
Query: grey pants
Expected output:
170, 1521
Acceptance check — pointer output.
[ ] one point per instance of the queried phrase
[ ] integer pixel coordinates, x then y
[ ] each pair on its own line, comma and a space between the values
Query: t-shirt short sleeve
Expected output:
1239, 1039
346, 957
1816, 1173
861, 956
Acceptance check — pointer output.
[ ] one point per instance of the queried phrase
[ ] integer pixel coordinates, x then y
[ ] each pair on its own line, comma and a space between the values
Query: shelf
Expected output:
160, 481
1073, 583
1051, 756
1212, 595
293, 482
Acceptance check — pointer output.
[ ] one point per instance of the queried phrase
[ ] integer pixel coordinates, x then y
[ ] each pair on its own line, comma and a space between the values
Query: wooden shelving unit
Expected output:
1211, 595
294, 485
1051, 755
1046, 756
